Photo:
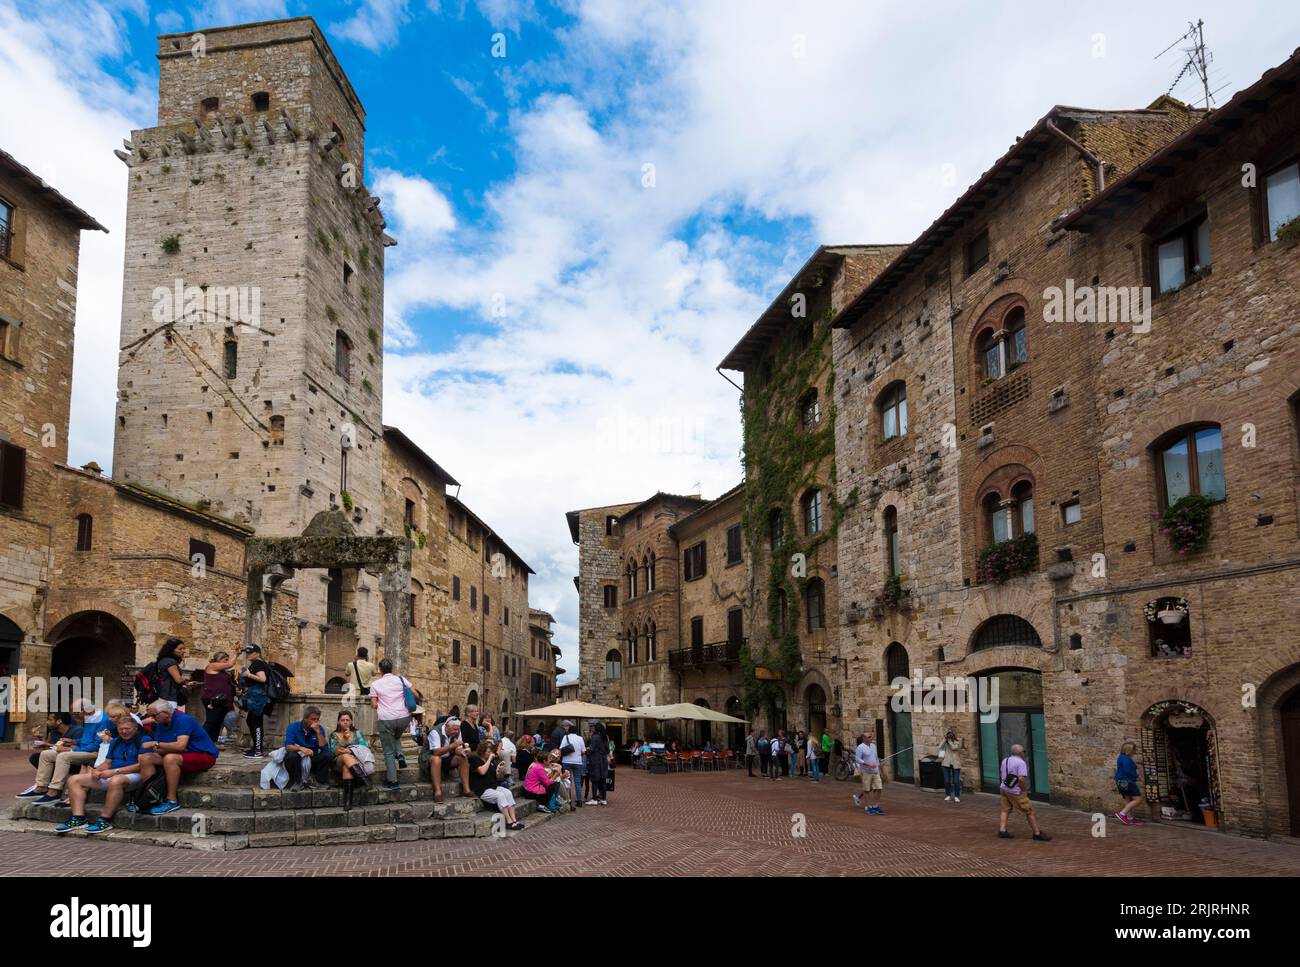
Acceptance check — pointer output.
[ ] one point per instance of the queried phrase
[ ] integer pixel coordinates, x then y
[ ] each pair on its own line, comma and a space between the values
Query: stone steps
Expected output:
225, 808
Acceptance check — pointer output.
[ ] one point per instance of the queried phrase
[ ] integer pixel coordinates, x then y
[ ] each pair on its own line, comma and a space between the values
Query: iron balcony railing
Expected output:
717, 652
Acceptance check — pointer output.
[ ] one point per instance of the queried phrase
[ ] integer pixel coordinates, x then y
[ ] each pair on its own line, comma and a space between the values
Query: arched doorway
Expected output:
1291, 756
11, 641
703, 730
814, 698
473, 697
1180, 761
897, 665
97, 646
1020, 721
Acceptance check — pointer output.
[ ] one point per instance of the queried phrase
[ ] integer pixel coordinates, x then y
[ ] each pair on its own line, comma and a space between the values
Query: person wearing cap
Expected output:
253, 677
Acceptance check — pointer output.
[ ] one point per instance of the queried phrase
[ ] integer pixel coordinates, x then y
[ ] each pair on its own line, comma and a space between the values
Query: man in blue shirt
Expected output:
181, 744
307, 752
116, 774
68, 755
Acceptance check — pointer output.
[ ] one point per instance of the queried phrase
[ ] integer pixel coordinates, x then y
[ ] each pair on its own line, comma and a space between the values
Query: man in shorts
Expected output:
181, 745
448, 756
116, 775
868, 761
1015, 793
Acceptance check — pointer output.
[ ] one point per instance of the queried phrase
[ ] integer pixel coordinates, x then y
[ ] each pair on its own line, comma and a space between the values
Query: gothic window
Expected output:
613, 665
1003, 630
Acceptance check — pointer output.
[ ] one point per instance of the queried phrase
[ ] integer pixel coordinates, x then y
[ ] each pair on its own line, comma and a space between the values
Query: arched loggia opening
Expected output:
95, 645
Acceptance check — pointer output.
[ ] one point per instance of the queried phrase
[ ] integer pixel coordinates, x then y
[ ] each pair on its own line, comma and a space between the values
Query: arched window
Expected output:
631, 580
613, 665
893, 559
1005, 630
650, 573
812, 512
335, 686
776, 527
645, 573
893, 411
85, 527
472, 699
990, 354
208, 105
261, 102
896, 662
1010, 517
1017, 338
342, 354
1190, 461
810, 410
815, 604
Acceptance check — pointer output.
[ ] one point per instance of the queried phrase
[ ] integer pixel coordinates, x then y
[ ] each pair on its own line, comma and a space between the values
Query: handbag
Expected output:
365, 757
408, 696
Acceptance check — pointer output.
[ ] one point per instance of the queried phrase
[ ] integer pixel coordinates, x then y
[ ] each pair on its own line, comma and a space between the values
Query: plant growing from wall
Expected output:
1288, 233
893, 596
347, 501
330, 314
323, 241
783, 460
1187, 523
1004, 560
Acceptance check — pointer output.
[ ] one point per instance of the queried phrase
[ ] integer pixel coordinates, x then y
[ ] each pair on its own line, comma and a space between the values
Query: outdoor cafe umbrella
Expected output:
580, 710
686, 710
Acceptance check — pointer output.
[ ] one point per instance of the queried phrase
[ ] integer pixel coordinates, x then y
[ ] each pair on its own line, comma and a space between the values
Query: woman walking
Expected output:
388, 696
598, 764
1126, 774
218, 693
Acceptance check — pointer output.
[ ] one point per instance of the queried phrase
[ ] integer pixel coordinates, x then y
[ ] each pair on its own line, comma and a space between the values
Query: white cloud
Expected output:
376, 24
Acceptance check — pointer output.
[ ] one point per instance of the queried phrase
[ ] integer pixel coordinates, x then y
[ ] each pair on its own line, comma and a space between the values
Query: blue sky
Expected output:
552, 321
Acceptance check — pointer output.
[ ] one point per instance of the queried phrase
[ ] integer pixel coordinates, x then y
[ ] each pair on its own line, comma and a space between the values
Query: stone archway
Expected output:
1180, 761
95, 646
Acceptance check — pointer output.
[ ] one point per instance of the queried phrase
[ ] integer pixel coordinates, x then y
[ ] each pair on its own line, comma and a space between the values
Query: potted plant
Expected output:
1186, 523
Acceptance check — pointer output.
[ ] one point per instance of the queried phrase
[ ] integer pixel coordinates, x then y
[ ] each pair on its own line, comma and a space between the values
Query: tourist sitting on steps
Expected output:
115, 775
353, 758
447, 757
307, 753
485, 781
540, 787
68, 755
180, 745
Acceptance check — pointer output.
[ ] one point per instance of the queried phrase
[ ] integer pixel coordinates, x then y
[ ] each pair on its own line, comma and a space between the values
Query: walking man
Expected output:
1015, 794
868, 760
751, 750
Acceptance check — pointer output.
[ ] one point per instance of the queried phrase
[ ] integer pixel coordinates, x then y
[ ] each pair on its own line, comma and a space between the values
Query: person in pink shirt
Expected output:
388, 696
539, 787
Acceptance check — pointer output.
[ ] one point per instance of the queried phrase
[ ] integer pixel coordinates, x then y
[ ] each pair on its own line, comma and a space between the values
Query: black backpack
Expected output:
277, 684
151, 793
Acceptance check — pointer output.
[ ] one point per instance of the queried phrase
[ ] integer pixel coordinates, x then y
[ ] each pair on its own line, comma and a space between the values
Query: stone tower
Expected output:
251, 364
250, 371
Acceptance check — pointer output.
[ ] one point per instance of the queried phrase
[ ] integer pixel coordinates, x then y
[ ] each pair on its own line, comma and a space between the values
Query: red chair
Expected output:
728, 759
695, 759
706, 760
670, 760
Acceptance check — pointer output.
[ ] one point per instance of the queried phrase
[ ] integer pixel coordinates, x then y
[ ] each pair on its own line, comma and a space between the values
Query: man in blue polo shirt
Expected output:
306, 750
181, 744
68, 755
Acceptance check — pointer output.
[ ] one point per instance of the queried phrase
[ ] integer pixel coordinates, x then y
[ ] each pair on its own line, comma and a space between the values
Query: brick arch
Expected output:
813, 676
1161, 420
25, 624
1002, 599
1009, 294
53, 619
1012, 453
1273, 693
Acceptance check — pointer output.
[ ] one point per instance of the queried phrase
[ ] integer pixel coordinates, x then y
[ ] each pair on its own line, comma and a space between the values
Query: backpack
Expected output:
151, 793
764, 745
425, 762
147, 684
277, 685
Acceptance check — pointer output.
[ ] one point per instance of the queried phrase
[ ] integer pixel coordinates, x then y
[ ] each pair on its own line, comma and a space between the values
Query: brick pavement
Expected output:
713, 825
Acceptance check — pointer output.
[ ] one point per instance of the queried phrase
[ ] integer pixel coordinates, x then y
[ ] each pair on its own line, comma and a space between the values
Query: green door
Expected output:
904, 754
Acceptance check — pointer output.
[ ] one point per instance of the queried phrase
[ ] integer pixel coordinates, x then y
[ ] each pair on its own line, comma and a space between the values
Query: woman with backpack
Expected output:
170, 681
218, 692
393, 699
257, 698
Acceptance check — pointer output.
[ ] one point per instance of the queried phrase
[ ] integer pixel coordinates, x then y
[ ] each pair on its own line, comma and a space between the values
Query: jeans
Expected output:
578, 769
212, 721
317, 765
749, 765
390, 734
763, 762
952, 781
812, 765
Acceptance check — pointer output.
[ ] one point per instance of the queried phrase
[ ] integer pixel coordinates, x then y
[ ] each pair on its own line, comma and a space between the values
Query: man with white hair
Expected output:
448, 755
1015, 793
68, 755
181, 745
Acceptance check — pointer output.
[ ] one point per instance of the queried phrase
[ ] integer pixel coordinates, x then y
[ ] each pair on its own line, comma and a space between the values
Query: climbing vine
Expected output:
782, 460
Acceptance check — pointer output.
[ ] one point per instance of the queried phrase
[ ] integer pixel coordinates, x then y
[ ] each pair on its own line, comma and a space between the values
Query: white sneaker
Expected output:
857, 799
592, 802
604, 802
957, 799
947, 798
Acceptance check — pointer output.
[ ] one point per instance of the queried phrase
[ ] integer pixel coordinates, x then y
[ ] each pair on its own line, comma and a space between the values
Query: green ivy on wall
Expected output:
782, 461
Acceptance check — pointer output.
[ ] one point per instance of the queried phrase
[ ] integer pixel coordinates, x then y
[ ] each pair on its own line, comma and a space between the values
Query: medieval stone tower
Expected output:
251, 364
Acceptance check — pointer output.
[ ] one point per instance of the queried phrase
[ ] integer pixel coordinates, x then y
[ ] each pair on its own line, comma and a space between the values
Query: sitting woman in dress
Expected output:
345, 740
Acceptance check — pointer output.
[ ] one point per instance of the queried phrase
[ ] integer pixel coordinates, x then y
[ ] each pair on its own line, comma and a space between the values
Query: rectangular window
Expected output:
977, 252
1282, 197
202, 550
487, 604
473, 655
487, 659
473, 597
410, 515
695, 565
6, 229
13, 475
1071, 513
735, 626
85, 525
411, 603
611, 526
455, 589
231, 360
733, 545
1182, 254
505, 617
455, 652
697, 632
611, 595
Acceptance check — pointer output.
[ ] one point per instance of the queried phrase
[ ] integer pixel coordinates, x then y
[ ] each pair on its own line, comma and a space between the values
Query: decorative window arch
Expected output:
815, 604
1005, 630
1189, 460
1007, 507
897, 664
812, 511
650, 572
1002, 346
892, 405
613, 665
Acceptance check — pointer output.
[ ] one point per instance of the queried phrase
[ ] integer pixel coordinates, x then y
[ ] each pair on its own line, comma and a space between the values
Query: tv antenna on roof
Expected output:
1198, 60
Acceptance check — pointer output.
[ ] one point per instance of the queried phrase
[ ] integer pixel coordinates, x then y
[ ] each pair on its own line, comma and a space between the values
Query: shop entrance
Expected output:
11, 639
1180, 762
1291, 756
1020, 721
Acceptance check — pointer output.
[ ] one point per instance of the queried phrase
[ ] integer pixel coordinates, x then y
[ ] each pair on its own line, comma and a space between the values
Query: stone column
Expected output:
254, 609
395, 586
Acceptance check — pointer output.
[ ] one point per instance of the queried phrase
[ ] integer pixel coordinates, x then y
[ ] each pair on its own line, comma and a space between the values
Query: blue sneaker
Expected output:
74, 822
166, 806
29, 793
47, 799
100, 825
